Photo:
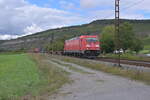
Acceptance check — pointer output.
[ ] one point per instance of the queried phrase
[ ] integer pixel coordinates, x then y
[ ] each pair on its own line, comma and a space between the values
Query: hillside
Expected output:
39, 40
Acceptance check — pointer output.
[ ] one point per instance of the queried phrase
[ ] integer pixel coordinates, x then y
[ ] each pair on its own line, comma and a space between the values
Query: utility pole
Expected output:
117, 30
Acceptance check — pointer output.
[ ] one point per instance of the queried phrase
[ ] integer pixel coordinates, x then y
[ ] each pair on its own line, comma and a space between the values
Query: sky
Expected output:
23, 17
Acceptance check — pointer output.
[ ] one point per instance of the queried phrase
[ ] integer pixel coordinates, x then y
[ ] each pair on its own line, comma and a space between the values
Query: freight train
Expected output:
83, 46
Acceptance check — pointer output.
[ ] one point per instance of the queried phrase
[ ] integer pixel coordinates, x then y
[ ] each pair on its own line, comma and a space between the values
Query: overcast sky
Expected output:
23, 17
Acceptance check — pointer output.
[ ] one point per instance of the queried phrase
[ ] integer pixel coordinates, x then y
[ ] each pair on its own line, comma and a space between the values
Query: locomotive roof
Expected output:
83, 36
88, 36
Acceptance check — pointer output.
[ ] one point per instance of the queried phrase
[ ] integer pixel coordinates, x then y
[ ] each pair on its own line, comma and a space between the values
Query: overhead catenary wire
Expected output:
124, 9
132, 5
117, 26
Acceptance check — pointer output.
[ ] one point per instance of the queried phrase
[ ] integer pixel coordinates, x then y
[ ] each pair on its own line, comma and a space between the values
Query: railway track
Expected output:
122, 61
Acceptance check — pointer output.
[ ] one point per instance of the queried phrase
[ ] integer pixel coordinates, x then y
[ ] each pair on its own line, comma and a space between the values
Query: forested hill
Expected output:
39, 40
141, 27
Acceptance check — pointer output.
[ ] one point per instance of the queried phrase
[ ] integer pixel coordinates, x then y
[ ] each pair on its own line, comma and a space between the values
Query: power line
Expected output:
117, 25
108, 16
132, 5
125, 8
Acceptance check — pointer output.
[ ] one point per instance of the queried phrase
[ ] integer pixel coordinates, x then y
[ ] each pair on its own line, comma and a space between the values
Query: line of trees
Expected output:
128, 39
57, 44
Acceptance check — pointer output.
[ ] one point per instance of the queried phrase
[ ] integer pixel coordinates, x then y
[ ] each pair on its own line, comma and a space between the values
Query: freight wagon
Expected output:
85, 45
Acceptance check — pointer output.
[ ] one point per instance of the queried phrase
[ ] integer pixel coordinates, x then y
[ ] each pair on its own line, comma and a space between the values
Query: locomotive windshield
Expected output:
91, 39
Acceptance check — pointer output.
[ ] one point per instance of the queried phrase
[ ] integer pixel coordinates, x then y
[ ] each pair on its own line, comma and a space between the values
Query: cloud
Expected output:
32, 29
132, 9
101, 14
95, 3
132, 16
8, 37
89, 3
104, 9
134, 4
67, 5
28, 31
19, 17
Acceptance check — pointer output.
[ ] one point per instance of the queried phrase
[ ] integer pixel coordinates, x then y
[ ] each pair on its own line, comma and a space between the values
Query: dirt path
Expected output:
95, 85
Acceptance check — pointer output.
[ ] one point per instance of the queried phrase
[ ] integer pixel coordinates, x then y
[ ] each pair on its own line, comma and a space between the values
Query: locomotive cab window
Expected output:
91, 39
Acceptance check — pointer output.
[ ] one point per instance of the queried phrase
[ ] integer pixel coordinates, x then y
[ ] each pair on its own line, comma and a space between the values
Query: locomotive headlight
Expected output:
87, 45
97, 45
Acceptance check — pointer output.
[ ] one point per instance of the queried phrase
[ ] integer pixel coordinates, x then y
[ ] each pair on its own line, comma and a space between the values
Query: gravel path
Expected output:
89, 84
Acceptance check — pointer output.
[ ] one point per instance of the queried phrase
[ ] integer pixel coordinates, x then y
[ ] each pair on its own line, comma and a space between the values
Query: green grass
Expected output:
18, 75
146, 42
147, 47
21, 75
135, 75
145, 51
54, 75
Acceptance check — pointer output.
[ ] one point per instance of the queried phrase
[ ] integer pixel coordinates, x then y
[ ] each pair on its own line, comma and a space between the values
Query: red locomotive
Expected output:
36, 50
85, 45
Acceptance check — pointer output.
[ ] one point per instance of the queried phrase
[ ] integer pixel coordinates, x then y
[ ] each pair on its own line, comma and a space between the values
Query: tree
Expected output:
57, 44
107, 39
137, 45
128, 39
127, 36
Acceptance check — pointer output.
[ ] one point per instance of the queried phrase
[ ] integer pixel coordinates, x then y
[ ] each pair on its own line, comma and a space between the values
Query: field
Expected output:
24, 75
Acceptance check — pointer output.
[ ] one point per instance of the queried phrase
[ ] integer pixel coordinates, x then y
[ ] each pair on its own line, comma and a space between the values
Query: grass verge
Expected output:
71, 67
23, 77
128, 57
135, 75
